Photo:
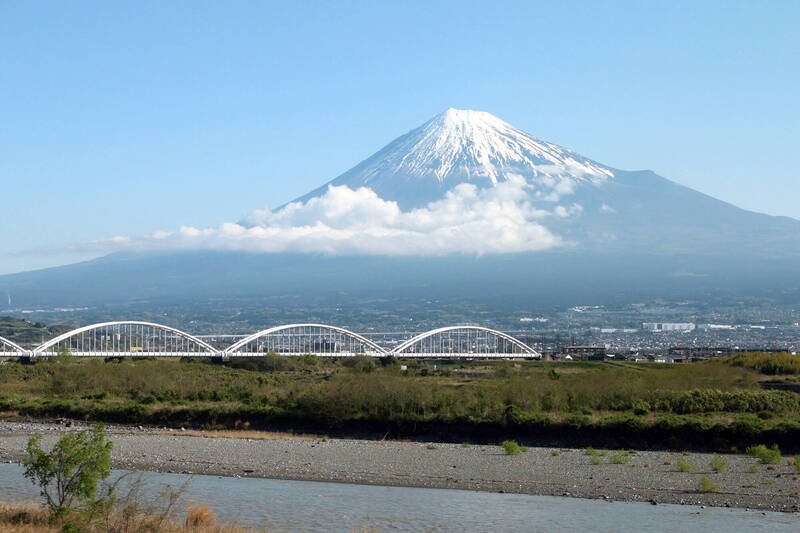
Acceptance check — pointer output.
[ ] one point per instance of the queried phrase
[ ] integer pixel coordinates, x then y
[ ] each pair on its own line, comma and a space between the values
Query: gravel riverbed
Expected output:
650, 476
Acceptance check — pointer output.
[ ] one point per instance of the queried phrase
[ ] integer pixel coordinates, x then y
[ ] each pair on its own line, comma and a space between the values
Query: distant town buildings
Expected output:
583, 353
657, 327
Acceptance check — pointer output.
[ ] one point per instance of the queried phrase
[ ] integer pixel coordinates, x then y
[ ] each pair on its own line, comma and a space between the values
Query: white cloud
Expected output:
563, 212
343, 221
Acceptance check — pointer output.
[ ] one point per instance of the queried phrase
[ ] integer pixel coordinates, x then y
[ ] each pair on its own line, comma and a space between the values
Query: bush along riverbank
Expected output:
718, 405
72, 477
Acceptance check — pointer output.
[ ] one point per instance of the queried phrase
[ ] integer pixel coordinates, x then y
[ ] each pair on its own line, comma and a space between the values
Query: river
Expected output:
303, 506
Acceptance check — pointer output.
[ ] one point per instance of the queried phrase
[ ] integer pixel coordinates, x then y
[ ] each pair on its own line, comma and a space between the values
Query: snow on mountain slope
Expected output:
460, 146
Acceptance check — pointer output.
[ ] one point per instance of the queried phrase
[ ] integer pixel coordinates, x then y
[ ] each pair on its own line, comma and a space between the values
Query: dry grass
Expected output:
33, 518
28, 518
200, 517
243, 434
25, 518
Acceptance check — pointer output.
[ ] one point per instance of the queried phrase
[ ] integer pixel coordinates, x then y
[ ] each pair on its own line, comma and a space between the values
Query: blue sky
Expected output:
127, 118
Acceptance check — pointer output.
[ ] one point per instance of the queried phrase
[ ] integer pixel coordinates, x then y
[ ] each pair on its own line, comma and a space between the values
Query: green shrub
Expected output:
555, 453
796, 463
360, 363
766, 456
595, 453
706, 485
718, 463
431, 446
465, 444
269, 362
64, 356
595, 460
68, 476
621, 458
512, 447
389, 360
641, 407
503, 371
683, 465
767, 363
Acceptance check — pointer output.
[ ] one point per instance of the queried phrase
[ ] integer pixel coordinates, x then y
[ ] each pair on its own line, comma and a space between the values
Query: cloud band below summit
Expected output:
344, 221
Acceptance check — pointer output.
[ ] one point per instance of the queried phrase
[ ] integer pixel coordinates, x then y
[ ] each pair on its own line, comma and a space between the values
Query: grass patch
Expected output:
621, 458
753, 469
683, 465
244, 434
431, 447
555, 453
766, 456
706, 485
465, 444
718, 463
512, 447
595, 460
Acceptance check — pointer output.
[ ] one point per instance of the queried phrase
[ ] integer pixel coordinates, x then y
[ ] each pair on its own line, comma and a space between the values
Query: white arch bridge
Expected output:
148, 339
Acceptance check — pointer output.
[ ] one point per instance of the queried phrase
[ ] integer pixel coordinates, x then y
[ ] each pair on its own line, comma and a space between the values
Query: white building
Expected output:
658, 327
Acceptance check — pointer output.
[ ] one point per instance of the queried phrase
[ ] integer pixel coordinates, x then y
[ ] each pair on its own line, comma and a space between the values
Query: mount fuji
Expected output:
611, 234
595, 206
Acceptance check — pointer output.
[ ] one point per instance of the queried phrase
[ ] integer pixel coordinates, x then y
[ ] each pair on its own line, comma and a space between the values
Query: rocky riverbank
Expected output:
649, 476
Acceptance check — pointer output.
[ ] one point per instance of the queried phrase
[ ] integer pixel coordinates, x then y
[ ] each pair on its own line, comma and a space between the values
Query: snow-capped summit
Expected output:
478, 144
460, 146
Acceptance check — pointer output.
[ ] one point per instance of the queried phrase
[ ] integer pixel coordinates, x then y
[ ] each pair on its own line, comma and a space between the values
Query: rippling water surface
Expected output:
303, 506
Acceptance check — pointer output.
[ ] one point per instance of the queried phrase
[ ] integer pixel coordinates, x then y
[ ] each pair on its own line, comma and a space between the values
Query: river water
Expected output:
304, 506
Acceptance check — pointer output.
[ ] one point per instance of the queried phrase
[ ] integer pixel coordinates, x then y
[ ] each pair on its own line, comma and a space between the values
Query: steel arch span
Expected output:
464, 341
302, 339
15, 349
127, 338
